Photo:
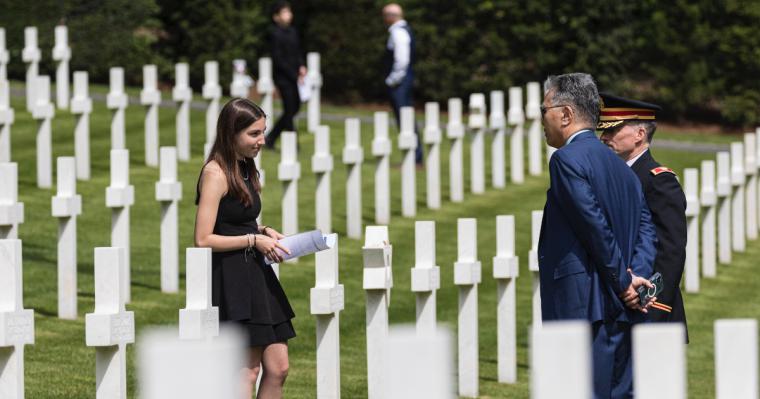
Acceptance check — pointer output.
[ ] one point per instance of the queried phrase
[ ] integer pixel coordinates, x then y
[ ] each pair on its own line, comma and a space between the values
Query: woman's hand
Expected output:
270, 232
269, 247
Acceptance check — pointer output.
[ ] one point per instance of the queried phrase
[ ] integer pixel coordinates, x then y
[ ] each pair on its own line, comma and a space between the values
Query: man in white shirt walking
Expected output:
397, 64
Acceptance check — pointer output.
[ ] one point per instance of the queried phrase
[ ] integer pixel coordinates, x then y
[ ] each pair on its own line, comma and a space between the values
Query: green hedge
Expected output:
696, 58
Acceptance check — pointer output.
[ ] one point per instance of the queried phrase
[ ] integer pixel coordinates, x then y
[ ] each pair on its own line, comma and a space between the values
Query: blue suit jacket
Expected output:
596, 225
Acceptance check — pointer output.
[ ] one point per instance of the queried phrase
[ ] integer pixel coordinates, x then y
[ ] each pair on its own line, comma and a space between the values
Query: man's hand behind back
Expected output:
631, 296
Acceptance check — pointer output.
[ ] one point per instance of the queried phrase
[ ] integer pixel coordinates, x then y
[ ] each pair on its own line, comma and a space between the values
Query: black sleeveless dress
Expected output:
245, 288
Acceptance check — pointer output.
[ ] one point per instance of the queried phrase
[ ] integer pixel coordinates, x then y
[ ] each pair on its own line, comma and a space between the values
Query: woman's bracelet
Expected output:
264, 229
250, 247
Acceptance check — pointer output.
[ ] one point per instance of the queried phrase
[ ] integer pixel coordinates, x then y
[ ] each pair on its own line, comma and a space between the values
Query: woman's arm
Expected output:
213, 186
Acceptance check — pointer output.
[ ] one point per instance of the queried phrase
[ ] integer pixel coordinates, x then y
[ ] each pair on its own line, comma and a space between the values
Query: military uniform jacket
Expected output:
595, 226
667, 203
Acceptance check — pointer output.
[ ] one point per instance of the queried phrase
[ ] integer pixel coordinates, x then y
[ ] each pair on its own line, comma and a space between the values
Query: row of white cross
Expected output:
110, 327
66, 205
38, 103
560, 353
479, 122
322, 162
724, 192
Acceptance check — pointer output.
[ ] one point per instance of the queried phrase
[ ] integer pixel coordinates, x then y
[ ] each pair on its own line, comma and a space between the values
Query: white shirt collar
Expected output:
569, 139
397, 24
633, 160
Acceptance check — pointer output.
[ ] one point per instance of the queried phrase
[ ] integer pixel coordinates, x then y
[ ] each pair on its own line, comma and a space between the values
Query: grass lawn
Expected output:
59, 365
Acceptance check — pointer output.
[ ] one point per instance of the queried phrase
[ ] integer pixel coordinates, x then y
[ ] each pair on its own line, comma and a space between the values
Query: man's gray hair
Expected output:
578, 90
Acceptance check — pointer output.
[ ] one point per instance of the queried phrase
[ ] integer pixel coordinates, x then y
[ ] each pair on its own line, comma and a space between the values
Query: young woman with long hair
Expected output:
244, 287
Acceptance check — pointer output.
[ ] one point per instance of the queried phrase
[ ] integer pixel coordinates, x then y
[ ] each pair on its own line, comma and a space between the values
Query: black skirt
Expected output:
266, 334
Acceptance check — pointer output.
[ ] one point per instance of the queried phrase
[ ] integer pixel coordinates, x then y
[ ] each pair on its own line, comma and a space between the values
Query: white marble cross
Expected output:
659, 360
535, 136
62, 54
423, 364
516, 120
182, 95
31, 55
16, 323
314, 76
4, 57
723, 189
381, 150
738, 238
506, 269
66, 206
736, 368
377, 283
120, 196
43, 111
7, 117
289, 172
109, 328
199, 319
169, 192
81, 105
691, 190
353, 156
536, 218
455, 132
169, 367
327, 300
322, 166
477, 124
750, 186
212, 92
467, 275
426, 277
708, 199
11, 211
117, 102
240, 81
407, 143
432, 139
560, 361
150, 97
497, 123
265, 87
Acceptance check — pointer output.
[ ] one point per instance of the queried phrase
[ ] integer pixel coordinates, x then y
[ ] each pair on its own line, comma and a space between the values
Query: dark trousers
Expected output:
290, 103
401, 96
613, 366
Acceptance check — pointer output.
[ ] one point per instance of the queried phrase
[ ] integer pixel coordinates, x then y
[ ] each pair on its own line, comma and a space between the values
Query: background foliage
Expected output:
696, 58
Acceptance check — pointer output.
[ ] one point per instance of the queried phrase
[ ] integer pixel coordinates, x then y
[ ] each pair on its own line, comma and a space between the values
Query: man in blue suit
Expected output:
597, 241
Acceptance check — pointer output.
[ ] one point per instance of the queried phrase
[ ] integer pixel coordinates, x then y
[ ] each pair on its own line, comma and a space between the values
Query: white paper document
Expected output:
305, 243
304, 89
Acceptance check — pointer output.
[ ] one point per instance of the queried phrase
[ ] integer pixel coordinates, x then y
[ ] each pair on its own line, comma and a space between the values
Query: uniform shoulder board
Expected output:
661, 169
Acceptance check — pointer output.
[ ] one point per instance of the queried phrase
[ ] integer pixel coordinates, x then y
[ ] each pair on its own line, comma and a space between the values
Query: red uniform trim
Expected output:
661, 169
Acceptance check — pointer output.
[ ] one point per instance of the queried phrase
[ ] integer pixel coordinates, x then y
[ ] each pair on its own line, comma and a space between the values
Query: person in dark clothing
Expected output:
289, 68
244, 288
628, 127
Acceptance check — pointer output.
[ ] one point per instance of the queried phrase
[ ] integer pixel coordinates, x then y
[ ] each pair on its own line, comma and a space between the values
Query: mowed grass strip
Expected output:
59, 365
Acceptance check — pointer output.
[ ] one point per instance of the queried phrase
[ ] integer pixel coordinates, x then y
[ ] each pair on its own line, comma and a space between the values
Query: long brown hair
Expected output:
236, 115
